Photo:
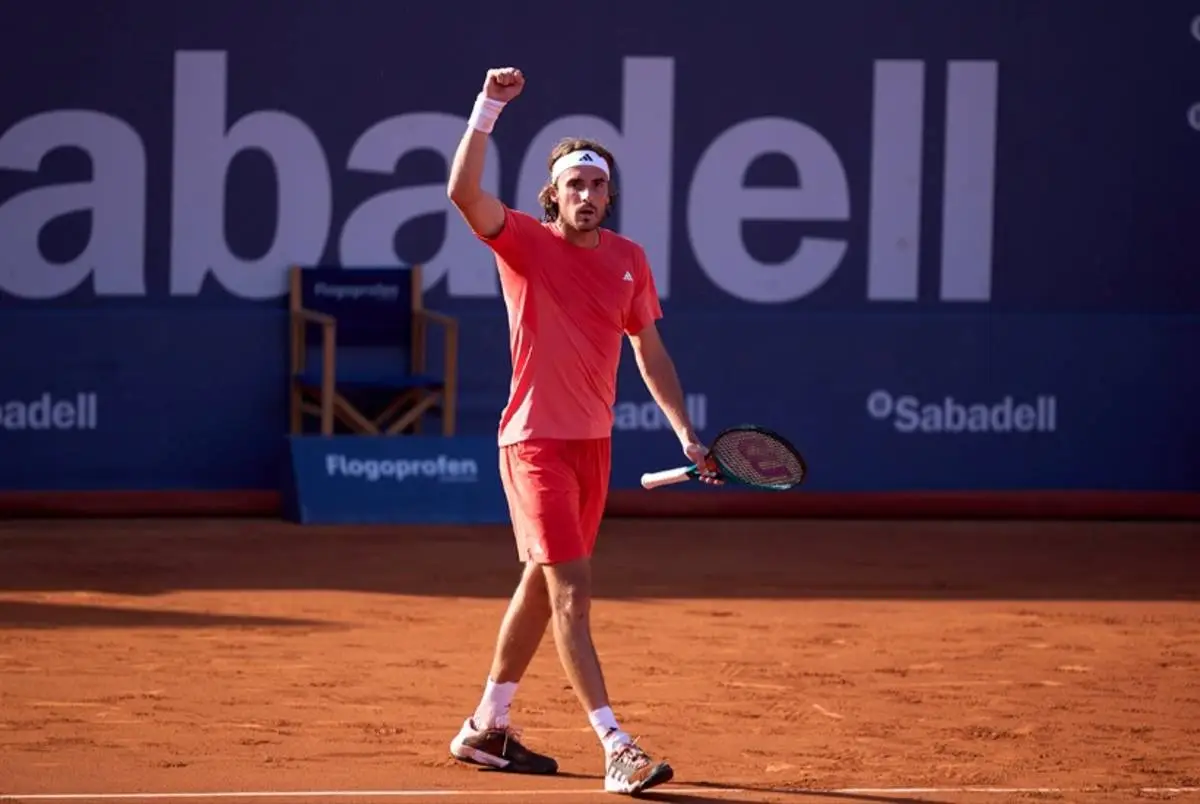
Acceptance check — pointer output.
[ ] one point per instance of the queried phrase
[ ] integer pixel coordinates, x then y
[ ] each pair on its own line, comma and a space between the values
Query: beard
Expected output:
585, 220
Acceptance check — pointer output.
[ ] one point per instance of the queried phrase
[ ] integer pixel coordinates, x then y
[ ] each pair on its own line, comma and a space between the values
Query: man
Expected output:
572, 290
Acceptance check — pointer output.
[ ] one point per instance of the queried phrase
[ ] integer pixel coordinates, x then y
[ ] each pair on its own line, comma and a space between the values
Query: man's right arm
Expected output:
482, 211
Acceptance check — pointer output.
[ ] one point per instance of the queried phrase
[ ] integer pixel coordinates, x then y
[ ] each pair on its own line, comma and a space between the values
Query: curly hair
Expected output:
566, 146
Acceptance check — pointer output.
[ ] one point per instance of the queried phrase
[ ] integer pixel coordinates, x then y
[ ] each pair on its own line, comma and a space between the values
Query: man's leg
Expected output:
521, 633
486, 737
570, 586
628, 768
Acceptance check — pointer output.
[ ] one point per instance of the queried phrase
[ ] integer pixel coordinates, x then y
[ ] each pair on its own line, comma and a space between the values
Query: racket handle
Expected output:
667, 477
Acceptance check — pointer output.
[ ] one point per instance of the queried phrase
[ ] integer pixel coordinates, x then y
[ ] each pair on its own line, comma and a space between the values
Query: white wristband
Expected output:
484, 114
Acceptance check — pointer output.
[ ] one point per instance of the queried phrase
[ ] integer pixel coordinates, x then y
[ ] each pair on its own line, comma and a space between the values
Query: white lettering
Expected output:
442, 468
649, 416
204, 148
718, 202
897, 140
968, 193
115, 197
1193, 115
379, 291
909, 414
48, 412
205, 145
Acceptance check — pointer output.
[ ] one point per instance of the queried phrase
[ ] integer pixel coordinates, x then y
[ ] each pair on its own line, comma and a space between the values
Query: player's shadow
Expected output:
34, 615
698, 558
742, 794
757, 795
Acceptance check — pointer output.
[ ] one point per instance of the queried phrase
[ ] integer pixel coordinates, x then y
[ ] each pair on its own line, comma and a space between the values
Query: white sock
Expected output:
493, 707
604, 722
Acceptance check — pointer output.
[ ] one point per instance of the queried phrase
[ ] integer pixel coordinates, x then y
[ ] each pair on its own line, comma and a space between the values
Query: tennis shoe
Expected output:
500, 748
630, 770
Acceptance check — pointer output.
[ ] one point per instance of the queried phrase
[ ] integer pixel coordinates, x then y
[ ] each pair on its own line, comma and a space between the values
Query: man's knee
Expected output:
570, 588
532, 588
533, 576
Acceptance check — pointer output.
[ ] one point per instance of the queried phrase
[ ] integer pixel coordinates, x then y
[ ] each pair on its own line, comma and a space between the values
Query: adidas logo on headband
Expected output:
575, 159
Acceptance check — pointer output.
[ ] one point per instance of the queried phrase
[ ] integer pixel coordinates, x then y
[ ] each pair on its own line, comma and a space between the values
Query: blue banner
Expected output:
944, 402
941, 245
375, 480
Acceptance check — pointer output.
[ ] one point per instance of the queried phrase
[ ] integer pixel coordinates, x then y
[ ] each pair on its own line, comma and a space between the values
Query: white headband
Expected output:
575, 159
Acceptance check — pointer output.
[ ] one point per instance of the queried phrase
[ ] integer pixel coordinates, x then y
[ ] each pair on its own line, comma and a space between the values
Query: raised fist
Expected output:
504, 83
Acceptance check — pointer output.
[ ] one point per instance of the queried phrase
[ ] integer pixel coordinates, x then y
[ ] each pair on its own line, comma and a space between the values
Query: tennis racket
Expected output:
747, 455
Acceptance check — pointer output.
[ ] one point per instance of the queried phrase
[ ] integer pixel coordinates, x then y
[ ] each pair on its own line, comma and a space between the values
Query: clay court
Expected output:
769, 660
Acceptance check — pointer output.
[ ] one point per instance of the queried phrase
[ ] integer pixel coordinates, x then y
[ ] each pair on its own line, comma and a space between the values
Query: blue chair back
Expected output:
373, 306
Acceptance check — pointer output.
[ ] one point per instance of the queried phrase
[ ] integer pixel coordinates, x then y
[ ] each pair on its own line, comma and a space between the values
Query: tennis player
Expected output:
572, 290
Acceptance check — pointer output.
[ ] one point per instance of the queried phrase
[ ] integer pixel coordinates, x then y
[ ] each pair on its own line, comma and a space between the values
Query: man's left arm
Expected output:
659, 374
657, 368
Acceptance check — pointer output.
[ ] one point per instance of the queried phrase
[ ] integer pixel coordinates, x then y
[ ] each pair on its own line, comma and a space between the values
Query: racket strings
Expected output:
759, 459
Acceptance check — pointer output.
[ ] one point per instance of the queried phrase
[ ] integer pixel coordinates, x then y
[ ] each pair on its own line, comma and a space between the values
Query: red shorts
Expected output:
556, 491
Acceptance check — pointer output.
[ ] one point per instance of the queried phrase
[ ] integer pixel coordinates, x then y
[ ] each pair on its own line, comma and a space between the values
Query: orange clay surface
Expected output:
767, 660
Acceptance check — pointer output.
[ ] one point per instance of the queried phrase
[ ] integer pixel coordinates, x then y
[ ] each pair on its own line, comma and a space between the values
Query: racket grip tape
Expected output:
667, 477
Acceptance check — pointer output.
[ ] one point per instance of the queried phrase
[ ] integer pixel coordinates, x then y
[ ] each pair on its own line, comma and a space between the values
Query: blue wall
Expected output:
865, 218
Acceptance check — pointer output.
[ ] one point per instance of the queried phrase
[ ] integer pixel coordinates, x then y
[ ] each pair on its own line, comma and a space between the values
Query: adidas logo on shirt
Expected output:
628, 277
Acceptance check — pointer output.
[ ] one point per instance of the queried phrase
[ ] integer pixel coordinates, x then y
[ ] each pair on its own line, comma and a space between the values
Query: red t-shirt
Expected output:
568, 309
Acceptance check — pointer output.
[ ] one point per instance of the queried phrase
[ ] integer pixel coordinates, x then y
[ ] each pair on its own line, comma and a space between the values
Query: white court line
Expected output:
443, 793
1007, 791
327, 794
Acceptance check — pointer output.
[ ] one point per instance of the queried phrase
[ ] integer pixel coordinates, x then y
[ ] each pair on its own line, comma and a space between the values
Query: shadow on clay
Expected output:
634, 560
752, 794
